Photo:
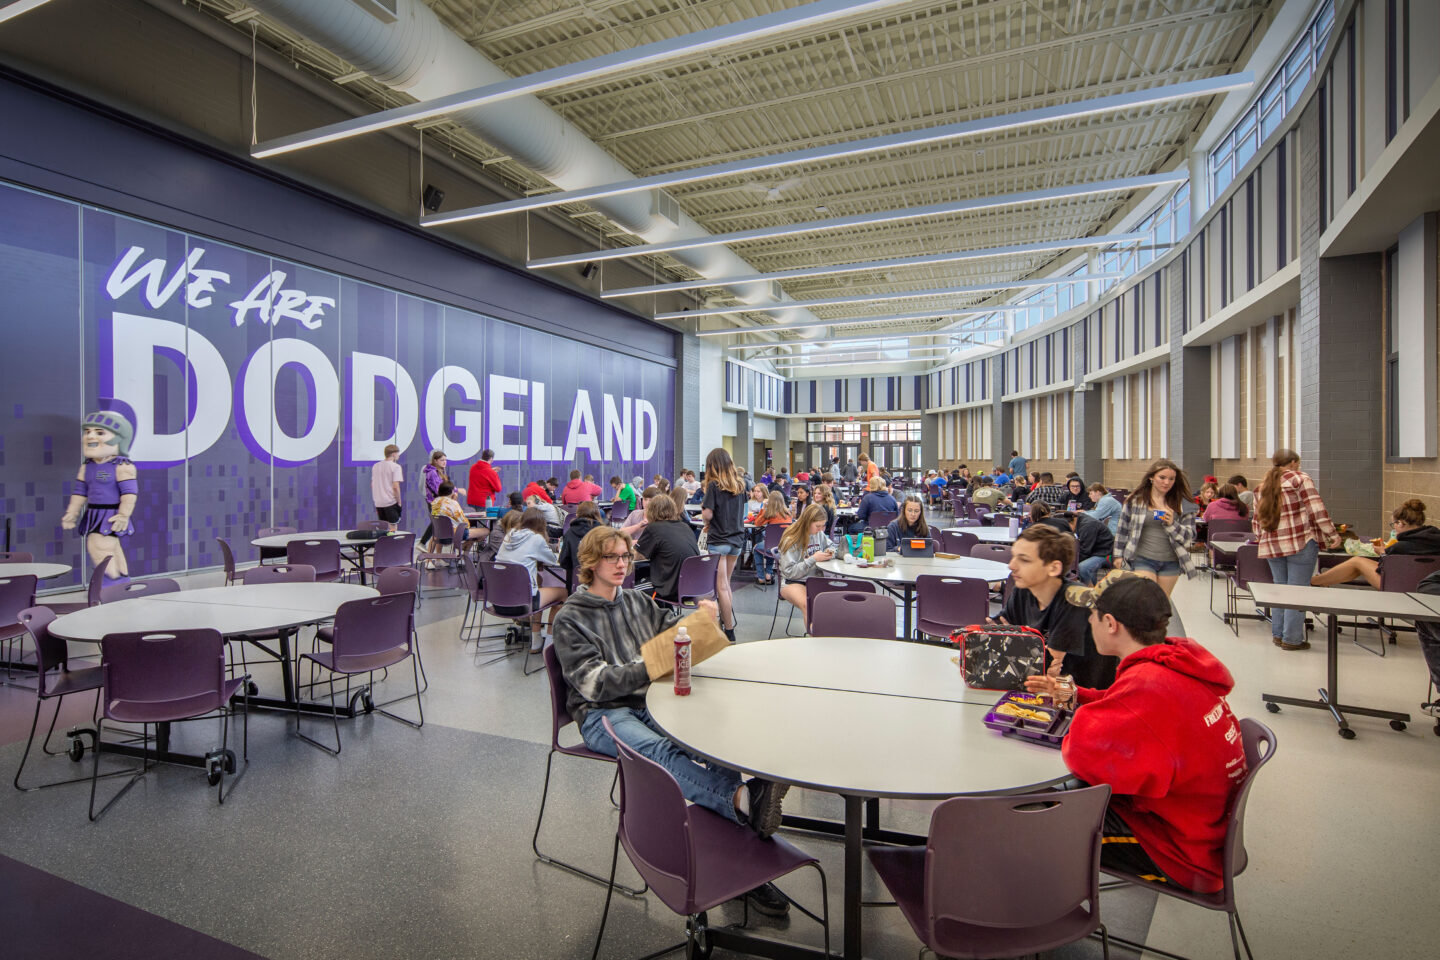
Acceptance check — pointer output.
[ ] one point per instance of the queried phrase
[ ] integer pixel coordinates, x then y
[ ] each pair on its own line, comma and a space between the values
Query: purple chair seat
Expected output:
754, 857
177, 708
361, 662
73, 681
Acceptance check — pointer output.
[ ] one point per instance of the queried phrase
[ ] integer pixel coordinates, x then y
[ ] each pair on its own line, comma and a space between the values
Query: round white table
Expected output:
986, 534
281, 540
919, 736
904, 571
40, 571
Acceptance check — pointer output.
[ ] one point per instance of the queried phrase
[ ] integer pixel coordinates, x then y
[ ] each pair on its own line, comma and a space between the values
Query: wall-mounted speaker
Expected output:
589, 270
432, 197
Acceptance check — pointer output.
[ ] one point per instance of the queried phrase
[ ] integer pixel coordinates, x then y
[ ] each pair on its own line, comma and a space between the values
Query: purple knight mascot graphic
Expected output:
105, 491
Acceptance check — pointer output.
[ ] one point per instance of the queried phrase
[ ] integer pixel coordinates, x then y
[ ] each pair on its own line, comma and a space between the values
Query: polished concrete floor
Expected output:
416, 843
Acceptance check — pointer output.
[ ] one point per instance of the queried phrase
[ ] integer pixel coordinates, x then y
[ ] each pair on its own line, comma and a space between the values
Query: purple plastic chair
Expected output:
279, 573
55, 680
162, 678
16, 594
560, 719
1249, 568
474, 598
442, 534
92, 595
696, 581
972, 892
227, 558
815, 586
998, 552
391, 582
618, 512
853, 615
770, 541
273, 553
880, 519
508, 595
138, 588
945, 604
1254, 735
323, 555
393, 551
16, 556
370, 634
958, 542
693, 859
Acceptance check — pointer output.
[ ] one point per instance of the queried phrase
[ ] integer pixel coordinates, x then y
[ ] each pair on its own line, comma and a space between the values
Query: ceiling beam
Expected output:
929, 259
852, 321
800, 18
14, 8
1119, 185
1067, 111
945, 333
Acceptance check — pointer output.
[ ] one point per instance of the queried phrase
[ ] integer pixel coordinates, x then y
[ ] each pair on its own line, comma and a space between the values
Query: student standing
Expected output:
484, 481
1157, 526
1291, 521
723, 513
385, 479
434, 476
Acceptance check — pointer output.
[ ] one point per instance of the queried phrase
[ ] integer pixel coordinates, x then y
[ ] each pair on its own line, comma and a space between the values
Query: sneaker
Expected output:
767, 899
766, 798
729, 633
1302, 645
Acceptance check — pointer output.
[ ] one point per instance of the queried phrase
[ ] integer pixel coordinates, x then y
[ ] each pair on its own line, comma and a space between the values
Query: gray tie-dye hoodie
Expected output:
598, 643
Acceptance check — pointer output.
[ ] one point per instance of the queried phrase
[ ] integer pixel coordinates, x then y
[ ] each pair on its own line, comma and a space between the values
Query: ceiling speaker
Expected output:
432, 197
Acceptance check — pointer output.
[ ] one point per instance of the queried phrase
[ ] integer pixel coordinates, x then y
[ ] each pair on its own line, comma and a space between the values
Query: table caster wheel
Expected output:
699, 945
1397, 724
252, 688
355, 701
1273, 707
230, 761
369, 703
214, 767
1437, 728
1347, 734
76, 749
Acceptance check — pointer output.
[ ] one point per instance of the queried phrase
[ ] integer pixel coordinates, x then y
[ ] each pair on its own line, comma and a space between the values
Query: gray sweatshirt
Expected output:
598, 642
527, 547
798, 562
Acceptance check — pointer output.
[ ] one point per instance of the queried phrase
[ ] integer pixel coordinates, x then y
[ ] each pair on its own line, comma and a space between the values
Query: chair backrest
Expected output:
1402, 573
980, 866
227, 557
773, 533
51, 653
619, 511
654, 825
958, 541
138, 588
506, 584
1249, 568
323, 555
1226, 525
16, 594
396, 551
373, 525
926, 548
815, 586
967, 522
97, 582
853, 615
697, 577
559, 695
880, 519
951, 602
369, 626
16, 556
279, 573
1253, 736
395, 580
442, 528
184, 668
471, 578
999, 552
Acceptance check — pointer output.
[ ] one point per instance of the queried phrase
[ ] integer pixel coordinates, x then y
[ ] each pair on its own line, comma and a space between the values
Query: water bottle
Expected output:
682, 662
867, 544
1014, 526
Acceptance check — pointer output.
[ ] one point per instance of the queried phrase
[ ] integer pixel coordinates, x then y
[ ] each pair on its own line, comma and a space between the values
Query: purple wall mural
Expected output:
262, 390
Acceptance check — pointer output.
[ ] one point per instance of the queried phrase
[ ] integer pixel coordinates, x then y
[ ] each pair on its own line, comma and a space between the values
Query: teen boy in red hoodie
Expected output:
1162, 737
484, 481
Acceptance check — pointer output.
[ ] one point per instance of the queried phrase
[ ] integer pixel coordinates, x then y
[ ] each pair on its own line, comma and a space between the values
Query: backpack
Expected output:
999, 656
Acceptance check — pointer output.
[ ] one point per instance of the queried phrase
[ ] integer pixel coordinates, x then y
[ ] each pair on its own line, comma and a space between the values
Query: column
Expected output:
1088, 412
687, 403
1002, 430
929, 441
745, 441
1199, 163
1188, 430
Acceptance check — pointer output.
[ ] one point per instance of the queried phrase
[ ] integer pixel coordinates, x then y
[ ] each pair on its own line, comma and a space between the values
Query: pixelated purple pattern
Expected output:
55, 257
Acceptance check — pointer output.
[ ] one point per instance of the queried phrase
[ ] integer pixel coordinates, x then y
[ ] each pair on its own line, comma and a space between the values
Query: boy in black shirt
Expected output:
1038, 562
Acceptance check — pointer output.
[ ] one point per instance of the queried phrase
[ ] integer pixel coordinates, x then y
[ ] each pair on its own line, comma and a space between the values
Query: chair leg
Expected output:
244, 764
95, 771
578, 871
1237, 925
1104, 942
609, 891
334, 717
419, 703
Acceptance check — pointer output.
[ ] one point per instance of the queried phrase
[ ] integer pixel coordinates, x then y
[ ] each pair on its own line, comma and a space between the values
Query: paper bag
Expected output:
706, 640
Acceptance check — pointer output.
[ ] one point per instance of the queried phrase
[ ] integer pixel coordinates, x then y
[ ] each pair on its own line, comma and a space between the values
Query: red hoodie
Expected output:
484, 484
1164, 739
534, 489
578, 491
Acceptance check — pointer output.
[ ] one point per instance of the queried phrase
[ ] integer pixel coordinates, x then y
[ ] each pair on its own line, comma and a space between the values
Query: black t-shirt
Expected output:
1067, 630
667, 544
727, 520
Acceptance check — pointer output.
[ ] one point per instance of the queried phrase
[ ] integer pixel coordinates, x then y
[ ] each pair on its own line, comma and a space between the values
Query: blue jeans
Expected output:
712, 787
1296, 569
1089, 569
764, 566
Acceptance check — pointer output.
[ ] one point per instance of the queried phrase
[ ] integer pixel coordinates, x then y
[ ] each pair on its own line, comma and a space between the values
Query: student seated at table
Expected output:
536, 488
1093, 541
1247, 497
1075, 496
446, 505
620, 490
1104, 507
802, 546
525, 543
578, 490
554, 522
1413, 537
515, 500
936, 483
877, 499
587, 518
598, 636
1038, 563
1162, 737
910, 525
989, 495
667, 541
1045, 490
756, 503
635, 520
774, 513
1226, 505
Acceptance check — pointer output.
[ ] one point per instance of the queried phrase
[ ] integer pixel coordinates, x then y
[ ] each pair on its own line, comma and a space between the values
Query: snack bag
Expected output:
998, 656
706, 640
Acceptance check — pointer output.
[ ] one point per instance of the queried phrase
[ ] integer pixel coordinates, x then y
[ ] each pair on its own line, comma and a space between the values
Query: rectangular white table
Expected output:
1335, 602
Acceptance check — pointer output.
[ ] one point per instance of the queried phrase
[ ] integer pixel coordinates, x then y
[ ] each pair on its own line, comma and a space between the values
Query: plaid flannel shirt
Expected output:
1181, 534
1303, 518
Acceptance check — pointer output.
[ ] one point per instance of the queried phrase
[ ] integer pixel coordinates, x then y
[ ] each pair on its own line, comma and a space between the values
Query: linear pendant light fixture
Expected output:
869, 219
883, 297
852, 321
809, 15
969, 128
944, 333
14, 8
928, 259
